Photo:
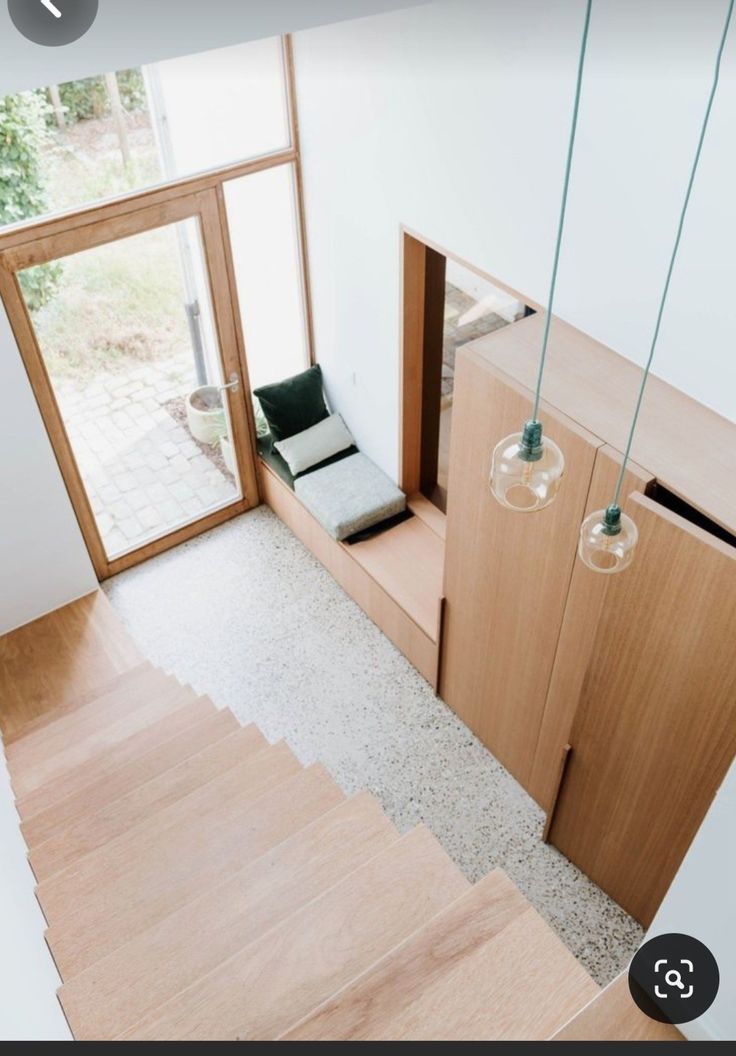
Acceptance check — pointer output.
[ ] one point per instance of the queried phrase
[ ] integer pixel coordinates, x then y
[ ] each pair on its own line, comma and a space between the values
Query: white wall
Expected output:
452, 119
701, 903
29, 1010
43, 560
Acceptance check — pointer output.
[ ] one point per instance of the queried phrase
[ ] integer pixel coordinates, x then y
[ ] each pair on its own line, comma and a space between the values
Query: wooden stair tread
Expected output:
204, 846
122, 989
316, 950
123, 779
59, 657
67, 707
95, 830
487, 968
613, 1016
89, 773
82, 747
100, 876
104, 707
200, 884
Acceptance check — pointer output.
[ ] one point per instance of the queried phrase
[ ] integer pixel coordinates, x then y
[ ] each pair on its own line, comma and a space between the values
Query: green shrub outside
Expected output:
87, 99
23, 136
26, 121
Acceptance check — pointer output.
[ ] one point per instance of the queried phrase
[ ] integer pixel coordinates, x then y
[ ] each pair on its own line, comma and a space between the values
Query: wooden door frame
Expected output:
204, 207
30, 242
419, 276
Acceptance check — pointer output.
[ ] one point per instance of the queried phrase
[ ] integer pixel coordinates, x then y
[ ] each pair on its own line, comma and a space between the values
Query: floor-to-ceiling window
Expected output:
152, 260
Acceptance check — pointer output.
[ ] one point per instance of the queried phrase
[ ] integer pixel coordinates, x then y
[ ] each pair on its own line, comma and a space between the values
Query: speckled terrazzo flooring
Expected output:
246, 615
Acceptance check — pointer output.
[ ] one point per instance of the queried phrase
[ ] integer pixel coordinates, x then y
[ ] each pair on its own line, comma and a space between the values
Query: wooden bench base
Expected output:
396, 578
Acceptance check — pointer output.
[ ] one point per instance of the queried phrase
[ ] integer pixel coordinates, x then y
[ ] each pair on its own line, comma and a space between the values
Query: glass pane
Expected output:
65, 146
219, 107
262, 216
473, 307
128, 339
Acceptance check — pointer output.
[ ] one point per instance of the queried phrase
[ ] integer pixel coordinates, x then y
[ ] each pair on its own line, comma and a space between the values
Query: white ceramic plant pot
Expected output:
206, 414
226, 446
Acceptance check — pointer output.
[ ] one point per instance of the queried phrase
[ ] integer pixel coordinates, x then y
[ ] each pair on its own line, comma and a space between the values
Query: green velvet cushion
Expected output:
293, 405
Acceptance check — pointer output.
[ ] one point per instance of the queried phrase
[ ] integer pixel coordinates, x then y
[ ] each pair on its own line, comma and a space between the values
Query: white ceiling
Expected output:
133, 32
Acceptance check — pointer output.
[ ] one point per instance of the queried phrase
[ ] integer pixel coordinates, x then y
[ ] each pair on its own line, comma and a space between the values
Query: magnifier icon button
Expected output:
673, 978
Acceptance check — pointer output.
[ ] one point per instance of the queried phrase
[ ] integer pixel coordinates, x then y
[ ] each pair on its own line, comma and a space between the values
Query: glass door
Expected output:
132, 323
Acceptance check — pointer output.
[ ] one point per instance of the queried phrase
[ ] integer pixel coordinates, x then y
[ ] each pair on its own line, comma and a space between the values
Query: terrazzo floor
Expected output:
246, 615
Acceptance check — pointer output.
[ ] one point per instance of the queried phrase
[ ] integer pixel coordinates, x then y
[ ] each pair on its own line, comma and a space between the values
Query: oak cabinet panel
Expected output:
634, 671
655, 726
507, 575
585, 603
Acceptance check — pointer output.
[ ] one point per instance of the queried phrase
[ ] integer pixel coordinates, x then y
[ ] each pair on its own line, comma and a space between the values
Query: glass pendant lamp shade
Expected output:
608, 537
527, 470
608, 541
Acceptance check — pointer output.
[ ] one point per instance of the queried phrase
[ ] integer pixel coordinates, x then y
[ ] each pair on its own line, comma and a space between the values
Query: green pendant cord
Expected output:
563, 211
678, 239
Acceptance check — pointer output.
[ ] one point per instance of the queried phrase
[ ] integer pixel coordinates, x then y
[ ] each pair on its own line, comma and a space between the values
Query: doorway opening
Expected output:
447, 304
137, 368
130, 347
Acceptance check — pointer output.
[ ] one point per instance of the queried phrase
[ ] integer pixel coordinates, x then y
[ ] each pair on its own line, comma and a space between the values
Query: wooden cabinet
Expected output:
584, 605
655, 727
506, 575
637, 671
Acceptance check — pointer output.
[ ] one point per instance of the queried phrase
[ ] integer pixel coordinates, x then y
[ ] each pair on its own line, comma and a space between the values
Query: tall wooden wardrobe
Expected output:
612, 699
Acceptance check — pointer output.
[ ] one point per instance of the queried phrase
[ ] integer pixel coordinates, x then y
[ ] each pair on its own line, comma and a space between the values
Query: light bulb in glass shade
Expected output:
608, 541
527, 470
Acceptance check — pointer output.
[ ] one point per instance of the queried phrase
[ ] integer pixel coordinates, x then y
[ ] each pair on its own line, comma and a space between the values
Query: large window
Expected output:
132, 367
67, 146
220, 107
127, 317
261, 211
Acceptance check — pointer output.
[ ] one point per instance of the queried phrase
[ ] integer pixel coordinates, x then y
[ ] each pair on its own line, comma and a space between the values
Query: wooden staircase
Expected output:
199, 883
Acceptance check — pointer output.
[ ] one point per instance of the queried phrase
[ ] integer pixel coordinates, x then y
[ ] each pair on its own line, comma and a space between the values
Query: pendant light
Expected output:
608, 537
527, 467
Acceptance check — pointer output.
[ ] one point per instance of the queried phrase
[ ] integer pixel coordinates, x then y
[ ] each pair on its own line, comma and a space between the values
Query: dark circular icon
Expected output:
674, 978
53, 23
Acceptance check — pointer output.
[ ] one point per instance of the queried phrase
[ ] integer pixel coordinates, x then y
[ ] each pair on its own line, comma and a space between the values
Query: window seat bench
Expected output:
396, 577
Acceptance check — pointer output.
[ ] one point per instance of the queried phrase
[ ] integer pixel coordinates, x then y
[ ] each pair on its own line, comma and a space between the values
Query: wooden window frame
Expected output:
420, 275
200, 196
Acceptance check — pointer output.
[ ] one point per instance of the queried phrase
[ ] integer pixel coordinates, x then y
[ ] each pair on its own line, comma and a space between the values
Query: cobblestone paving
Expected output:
458, 333
143, 472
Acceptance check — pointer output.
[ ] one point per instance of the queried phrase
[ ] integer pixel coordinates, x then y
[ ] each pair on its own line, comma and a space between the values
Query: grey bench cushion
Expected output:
350, 496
